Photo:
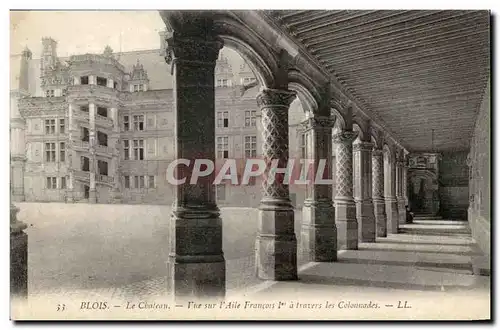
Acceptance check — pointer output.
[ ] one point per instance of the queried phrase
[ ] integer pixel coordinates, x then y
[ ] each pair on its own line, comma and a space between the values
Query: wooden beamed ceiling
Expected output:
418, 71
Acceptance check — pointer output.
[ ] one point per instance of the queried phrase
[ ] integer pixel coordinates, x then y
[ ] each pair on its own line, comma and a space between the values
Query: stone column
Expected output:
17, 157
92, 160
69, 156
18, 256
276, 245
391, 203
364, 204
319, 232
345, 208
378, 192
116, 195
399, 193
196, 264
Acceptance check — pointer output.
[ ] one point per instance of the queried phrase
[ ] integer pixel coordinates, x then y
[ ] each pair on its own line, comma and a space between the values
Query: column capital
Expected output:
377, 152
363, 146
317, 122
275, 98
192, 49
345, 137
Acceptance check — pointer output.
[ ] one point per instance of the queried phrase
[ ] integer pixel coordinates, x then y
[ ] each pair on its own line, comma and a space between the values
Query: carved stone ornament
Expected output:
377, 152
363, 146
275, 98
188, 48
345, 137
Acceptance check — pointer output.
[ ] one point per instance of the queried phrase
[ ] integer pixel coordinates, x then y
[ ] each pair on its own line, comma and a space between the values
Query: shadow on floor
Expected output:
435, 232
379, 248
423, 264
401, 242
342, 281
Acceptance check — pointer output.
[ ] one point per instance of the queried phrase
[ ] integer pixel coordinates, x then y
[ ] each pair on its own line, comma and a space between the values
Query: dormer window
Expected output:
84, 80
49, 93
102, 81
138, 79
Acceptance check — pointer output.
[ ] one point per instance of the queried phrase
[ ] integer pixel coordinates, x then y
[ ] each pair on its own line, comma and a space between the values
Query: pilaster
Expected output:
345, 208
399, 193
319, 232
92, 159
378, 192
391, 203
364, 204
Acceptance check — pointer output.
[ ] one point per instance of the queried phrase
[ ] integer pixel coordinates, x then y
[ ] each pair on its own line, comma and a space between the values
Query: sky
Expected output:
80, 32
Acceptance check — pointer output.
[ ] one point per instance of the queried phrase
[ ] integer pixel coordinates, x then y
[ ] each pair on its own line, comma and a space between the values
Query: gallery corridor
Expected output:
428, 264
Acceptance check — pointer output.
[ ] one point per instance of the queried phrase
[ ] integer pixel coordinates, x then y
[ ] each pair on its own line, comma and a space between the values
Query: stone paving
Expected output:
122, 256
429, 262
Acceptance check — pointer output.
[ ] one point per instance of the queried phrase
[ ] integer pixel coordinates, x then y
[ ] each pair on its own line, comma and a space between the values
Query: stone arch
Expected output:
340, 123
261, 60
387, 151
357, 128
389, 171
376, 137
235, 35
305, 97
306, 90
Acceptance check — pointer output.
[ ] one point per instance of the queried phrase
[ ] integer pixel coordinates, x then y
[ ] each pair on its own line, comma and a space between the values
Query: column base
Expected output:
318, 233
366, 221
380, 218
276, 244
347, 225
196, 264
392, 215
195, 277
92, 196
19, 265
402, 212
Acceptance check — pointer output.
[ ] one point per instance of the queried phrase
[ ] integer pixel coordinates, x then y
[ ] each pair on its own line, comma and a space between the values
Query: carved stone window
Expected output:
50, 126
250, 118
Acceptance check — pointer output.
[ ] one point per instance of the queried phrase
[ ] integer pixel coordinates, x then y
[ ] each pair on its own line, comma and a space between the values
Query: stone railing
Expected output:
104, 178
104, 150
106, 121
82, 175
81, 114
81, 144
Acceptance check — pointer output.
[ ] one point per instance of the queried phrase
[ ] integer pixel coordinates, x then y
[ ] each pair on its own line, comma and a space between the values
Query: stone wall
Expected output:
479, 177
453, 185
